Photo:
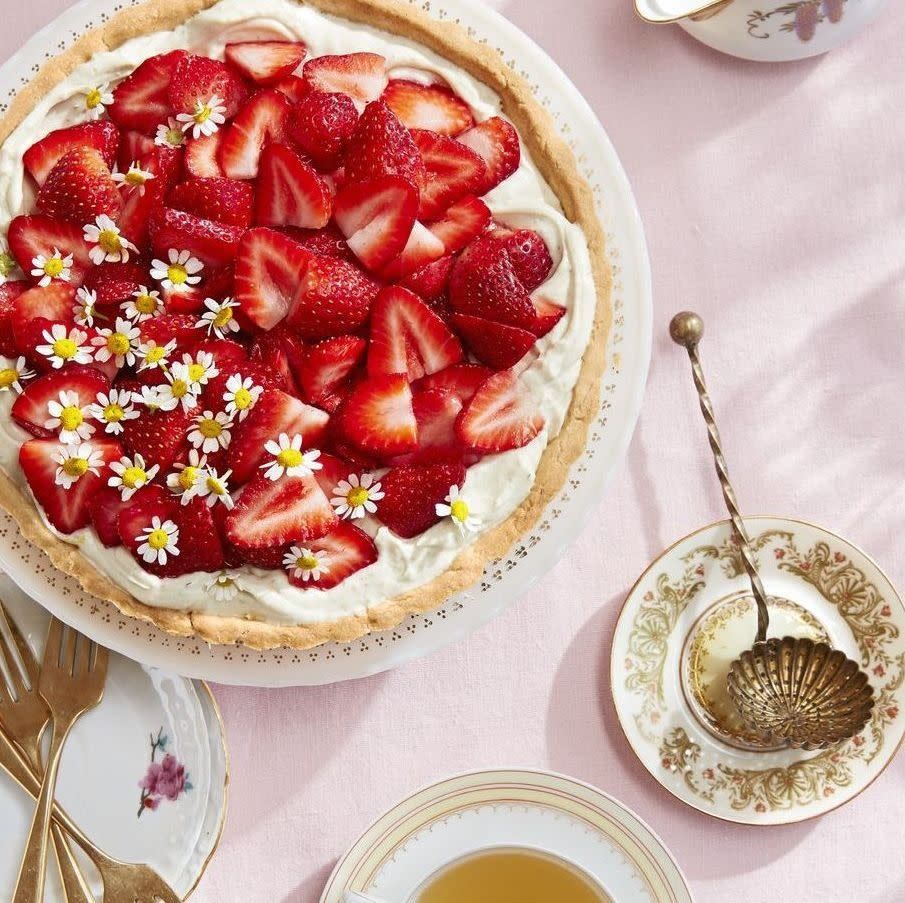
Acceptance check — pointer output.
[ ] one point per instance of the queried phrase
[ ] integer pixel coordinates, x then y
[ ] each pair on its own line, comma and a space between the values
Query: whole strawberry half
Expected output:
381, 146
435, 107
9, 292
265, 62
329, 364
501, 416
497, 143
411, 494
158, 436
361, 76
290, 192
198, 79
30, 409
36, 311
262, 120
345, 550
30, 236
227, 201
322, 126
451, 171
377, 418
528, 254
495, 344
80, 188
141, 101
214, 244
42, 156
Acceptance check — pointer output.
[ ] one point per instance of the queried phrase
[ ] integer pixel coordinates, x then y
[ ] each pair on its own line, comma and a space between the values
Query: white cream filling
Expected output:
495, 486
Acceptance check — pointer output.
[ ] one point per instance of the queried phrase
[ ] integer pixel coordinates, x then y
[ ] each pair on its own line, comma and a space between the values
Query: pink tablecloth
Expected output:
774, 198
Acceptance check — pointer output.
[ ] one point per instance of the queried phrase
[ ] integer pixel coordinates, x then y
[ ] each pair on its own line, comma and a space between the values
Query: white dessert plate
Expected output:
503, 581
691, 614
513, 808
151, 727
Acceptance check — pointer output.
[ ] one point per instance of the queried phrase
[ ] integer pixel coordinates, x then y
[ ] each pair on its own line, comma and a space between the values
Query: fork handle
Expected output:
75, 887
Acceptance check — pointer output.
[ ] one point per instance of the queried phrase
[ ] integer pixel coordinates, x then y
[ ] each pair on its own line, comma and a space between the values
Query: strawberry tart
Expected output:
302, 316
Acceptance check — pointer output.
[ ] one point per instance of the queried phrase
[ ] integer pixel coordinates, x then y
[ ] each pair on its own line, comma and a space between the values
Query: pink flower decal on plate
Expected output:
165, 779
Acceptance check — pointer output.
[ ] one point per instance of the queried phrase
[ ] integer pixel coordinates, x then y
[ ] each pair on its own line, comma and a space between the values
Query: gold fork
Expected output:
72, 682
24, 716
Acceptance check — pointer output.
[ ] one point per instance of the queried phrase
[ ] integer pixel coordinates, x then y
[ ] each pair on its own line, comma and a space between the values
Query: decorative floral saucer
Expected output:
690, 615
525, 809
144, 774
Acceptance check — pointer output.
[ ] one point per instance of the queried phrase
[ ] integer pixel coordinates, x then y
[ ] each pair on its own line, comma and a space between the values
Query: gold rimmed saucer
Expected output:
691, 614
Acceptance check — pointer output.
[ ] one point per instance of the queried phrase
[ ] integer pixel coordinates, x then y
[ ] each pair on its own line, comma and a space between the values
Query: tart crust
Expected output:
556, 163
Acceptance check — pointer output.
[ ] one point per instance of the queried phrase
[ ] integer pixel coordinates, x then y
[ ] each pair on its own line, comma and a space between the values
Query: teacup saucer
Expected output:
690, 614
527, 809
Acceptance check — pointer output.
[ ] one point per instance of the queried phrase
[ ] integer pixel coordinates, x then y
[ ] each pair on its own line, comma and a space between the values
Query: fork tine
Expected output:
68, 657
53, 645
32, 668
82, 656
15, 673
101, 658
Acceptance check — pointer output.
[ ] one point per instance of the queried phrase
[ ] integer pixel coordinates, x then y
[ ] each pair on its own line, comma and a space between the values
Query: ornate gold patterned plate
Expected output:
691, 614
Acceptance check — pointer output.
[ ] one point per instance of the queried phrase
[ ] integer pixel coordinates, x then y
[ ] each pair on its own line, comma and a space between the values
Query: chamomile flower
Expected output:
69, 417
241, 395
113, 409
7, 262
178, 272
154, 356
202, 368
159, 540
97, 99
145, 304
134, 178
211, 431
13, 373
65, 346
179, 388
287, 458
456, 508
169, 134
57, 266
118, 343
205, 119
74, 461
305, 564
109, 245
225, 586
218, 318
130, 474
150, 397
214, 487
186, 479
85, 306
357, 496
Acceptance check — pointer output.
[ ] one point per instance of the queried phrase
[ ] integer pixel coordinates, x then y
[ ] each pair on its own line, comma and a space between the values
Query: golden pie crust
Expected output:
557, 164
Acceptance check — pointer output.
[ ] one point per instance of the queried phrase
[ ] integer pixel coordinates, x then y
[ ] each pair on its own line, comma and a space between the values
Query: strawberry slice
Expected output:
329, 364
411, 494
106, 507
198, 79
436, 412
172, 327
528, 254
495, 344
421, 249
461, 380
41, 157
37, 310
381, 146
269, 268
362, 76
66, 509
262, 120
377, 417
434, 107
496, 142
114, 283
274, 513
214, 244
407, 337
430, 282
549, 313
140, 207
295, 88
377, 218
80, 188
346, 549
265, 62
159, 436
462, 223
322, 126
281, 355
202, 156
30, 409
500, 417
226, 201
9, 292
141, 101
452, 171
326, 242
290, 192
134, 147
275, 413
334, 298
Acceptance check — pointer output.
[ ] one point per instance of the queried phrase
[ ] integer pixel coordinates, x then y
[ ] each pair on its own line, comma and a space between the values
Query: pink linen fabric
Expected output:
774, 202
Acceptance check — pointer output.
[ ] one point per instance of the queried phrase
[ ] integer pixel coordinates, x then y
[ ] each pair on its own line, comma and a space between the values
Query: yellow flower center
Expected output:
289, 457
196, 372
145, 304
136, 177
133, 477
53, 267
242, 399
93, 98
177, 274
113, 413
75, 467
215, 486
174, 137
109, 241
65, 349
158, 539
7, 264
8, 377
357, 496
202, 114
179, 388
118, 343
223, 317
71, 418
155, 354
188, 478
306, 562
459, 510
210, 429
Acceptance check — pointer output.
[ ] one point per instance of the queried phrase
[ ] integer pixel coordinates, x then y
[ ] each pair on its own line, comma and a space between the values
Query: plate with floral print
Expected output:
691, 614
144, 774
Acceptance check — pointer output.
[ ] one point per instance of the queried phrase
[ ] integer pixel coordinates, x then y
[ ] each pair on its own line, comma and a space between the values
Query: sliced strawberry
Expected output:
549, 313
275, 413
431, 281
115, 282
159, 436
40, 158
198, 79
265, 62
500, 417
80, 188
225, 201
220, 284
262, 120
496, 142
167, 164
272, 513
436, 412
462, 223
322, 126
214, 244
290, 192
35, 312
9, 292
495, 344
333, 470
484, 284
461, 380
362, 76
66, 509
381, 146
411, 495
334, 298
172, 327
326, 242
30, 409
202, 156
106, 507
141, 101
134, 147
269, 268
407, 337
140, 207
328, 364
528, 254
452, 171
346, 549
433, 107
378, 417
295, 88
421, 250
30, 236
377, 218
281, 355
